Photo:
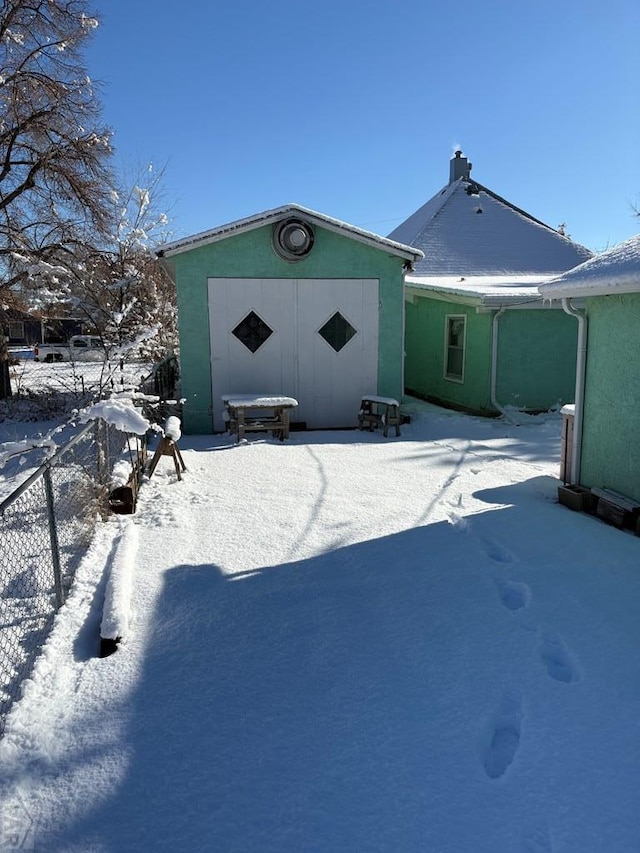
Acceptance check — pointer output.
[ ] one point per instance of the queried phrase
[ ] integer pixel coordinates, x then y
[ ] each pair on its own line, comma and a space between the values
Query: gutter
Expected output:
581, 364
494, 361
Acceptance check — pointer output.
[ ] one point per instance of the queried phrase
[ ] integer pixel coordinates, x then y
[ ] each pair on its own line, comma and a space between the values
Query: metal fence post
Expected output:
53, 536
103, 462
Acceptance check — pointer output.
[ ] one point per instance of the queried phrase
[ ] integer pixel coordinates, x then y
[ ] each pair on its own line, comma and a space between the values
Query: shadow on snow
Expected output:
294, 707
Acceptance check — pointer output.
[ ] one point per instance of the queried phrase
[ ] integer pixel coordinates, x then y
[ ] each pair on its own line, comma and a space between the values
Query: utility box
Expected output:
566, 443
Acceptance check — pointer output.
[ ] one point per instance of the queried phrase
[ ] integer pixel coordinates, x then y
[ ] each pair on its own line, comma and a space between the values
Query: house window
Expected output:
16, 330
455, 334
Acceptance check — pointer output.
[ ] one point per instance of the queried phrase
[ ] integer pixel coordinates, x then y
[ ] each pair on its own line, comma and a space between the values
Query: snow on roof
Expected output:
490, 291
268, 217
466, 229
615, 271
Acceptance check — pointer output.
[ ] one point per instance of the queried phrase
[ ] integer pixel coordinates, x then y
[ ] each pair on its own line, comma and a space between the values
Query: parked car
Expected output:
79, 348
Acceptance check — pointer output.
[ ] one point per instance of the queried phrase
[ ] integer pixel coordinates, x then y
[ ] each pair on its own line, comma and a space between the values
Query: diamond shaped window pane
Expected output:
252, 331
337, 331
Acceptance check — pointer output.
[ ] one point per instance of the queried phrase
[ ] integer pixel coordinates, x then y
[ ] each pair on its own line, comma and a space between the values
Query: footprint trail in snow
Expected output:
557, 659
503, 740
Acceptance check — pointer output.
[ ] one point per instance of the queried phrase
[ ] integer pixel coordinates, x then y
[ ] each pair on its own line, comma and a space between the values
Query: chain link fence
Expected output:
45, 527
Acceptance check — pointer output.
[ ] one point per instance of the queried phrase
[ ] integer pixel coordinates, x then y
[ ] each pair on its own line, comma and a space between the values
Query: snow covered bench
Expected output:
258, 413
379, 411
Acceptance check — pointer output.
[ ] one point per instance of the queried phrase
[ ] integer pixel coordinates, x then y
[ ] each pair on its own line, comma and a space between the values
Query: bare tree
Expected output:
115, 282
118, 285
54, 150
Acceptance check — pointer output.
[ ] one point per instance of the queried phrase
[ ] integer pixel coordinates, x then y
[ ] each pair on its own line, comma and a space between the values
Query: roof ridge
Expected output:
513, 206
447, 196
446, 192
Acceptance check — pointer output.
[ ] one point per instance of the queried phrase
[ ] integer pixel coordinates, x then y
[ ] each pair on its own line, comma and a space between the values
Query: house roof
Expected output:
468, 230
614, 271
488, 291
269, 217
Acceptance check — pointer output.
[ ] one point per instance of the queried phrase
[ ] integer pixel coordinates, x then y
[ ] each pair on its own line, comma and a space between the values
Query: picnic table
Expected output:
258, 413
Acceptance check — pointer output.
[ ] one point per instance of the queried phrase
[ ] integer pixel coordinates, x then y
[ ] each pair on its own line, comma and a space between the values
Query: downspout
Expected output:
581, 364
494, 361
404, 330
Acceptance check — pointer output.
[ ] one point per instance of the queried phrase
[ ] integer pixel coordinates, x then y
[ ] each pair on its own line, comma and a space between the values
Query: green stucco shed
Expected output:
293, 302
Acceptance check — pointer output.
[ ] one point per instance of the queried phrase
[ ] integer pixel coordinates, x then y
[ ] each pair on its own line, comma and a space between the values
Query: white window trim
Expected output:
447, 376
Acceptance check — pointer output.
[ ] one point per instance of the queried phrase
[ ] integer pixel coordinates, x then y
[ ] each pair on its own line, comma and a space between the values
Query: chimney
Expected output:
459, 167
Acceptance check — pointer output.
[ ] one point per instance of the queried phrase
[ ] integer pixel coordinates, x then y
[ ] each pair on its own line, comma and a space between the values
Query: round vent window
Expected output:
292, 239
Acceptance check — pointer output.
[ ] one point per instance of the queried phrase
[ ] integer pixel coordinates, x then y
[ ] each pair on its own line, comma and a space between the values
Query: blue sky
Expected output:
354, 109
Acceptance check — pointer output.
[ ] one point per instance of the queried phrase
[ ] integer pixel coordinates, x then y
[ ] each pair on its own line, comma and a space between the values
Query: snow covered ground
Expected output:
78, 380
343, 643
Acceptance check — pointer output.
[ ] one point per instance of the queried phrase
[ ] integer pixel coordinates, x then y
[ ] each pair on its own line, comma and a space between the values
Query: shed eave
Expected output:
426, 292
489, 299
268, 217
531, 301
586, 289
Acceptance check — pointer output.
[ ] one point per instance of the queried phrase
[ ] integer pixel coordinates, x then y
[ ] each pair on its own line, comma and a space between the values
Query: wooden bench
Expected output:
379, 411
258, 413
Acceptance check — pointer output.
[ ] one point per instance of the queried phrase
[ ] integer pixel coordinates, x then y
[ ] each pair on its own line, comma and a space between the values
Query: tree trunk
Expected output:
5, 379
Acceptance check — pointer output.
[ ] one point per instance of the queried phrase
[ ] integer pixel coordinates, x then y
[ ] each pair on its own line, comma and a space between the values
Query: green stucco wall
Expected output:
425, 353
611, 450
536, 358
249, 255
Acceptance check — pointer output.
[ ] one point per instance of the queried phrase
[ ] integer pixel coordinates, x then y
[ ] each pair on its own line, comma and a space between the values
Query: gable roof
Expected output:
466, 229
269, 217
615, 271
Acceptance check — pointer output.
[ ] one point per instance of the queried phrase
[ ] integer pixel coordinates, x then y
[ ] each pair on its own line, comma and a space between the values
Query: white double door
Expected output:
312, 339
